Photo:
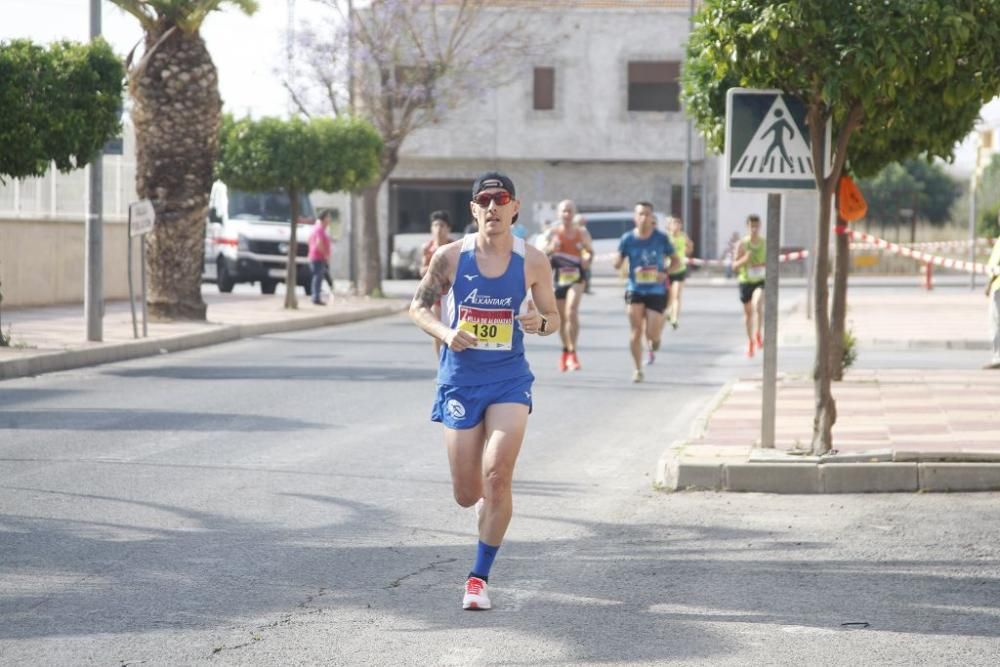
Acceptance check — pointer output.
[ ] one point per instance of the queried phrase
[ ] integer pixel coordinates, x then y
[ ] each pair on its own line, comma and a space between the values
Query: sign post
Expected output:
768, 148
141, 218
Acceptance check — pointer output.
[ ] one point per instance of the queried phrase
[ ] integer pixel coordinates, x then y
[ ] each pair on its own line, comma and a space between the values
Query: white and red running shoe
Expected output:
476, 597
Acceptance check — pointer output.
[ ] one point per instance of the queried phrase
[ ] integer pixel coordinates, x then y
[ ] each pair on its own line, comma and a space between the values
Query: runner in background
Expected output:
581, 223
569, 250
751, 258
440, 236
683, 246
645, 248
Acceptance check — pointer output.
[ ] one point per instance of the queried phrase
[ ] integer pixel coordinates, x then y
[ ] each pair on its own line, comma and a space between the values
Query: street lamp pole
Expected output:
352, 240
686, 207
93, 295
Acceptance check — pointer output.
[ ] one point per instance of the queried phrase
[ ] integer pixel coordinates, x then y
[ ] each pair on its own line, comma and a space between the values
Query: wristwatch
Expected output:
545, 322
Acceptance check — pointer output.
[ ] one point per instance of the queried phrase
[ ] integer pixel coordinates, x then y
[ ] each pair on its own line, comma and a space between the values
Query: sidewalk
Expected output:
896, 430
54, 338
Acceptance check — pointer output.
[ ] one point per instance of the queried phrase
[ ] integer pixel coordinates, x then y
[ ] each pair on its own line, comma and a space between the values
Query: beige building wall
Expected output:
42, 262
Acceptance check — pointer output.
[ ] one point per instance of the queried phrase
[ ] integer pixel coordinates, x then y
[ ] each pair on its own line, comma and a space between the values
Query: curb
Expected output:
688, 466
793, 340
51, 362
815, 478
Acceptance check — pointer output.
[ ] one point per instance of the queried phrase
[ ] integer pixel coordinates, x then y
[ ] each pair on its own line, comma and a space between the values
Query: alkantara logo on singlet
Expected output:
489, 319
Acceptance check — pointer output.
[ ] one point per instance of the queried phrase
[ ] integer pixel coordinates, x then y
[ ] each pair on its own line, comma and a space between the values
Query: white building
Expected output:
597, 120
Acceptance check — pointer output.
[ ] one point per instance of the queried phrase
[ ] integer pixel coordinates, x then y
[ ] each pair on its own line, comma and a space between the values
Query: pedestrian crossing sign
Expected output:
767, 142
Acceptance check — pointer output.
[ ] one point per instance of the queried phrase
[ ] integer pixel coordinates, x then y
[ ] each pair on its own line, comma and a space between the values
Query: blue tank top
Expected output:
645, 261
486, 307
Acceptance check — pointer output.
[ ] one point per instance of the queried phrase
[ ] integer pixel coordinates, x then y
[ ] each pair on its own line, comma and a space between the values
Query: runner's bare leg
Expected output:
572, 314
636, 321
505, 427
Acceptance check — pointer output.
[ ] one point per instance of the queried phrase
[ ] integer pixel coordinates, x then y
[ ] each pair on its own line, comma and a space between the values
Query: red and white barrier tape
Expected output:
796, 256
860, 240
926, 258
933, 245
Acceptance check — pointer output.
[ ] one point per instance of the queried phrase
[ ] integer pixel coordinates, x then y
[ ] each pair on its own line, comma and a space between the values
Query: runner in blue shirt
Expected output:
498, 289
645, 248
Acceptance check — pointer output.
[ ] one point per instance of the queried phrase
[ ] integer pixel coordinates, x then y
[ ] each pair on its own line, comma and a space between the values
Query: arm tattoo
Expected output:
433, 283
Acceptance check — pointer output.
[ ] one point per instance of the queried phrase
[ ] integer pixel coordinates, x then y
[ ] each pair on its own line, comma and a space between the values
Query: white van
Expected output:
247, 236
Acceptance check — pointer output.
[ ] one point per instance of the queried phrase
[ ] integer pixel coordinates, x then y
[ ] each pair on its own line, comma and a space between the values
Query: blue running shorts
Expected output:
464, 407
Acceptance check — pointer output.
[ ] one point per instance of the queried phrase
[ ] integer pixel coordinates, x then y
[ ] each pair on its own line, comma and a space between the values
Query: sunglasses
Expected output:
483, 199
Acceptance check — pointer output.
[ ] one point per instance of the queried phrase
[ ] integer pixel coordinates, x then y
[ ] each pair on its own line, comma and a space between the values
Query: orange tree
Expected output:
892, 79
58, 104
297, 156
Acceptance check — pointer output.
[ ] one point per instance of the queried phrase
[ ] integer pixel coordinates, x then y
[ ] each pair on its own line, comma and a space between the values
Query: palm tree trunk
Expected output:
176, 114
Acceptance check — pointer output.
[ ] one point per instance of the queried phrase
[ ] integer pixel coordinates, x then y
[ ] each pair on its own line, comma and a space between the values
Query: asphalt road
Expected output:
285, 500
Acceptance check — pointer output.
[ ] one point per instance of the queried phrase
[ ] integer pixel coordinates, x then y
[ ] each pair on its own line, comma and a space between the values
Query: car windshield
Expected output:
609, 229
273, 206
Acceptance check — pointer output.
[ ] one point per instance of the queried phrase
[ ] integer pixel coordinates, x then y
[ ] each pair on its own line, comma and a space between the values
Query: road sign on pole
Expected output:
141, 218
768, 149
142, 215
767, 142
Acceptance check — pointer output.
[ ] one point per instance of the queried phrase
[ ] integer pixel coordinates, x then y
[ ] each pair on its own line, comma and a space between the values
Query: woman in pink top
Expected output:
320, 249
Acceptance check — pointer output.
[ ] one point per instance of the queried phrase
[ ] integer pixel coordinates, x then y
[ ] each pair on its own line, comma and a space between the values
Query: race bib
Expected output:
567, 275
755, 273
647, 275
493, 327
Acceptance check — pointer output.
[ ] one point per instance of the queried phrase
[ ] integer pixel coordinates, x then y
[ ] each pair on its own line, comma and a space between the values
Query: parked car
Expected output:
247, 237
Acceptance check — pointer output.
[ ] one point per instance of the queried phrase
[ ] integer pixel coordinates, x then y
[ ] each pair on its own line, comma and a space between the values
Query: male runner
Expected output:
751, 258
569, 249
440, 236
499, 289
645, 248
684, 246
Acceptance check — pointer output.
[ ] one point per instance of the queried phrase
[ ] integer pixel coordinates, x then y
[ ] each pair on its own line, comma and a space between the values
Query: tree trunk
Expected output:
370, 268
838, 309
176, 113
826, 409
291, 281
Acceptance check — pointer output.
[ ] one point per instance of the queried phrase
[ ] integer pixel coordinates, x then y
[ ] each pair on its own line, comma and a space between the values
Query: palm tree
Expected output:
176, 112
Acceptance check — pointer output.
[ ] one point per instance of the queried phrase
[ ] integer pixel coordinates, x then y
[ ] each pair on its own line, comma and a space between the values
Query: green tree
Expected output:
867, 70
891, 189
404, 65
916, 184
298, 156
940, 191
57, 104
176, 111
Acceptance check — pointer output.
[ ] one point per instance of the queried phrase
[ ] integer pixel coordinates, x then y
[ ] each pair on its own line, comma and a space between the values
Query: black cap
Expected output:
493, 179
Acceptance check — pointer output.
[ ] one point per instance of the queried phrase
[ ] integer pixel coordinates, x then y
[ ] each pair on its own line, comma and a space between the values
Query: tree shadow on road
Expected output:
585, 592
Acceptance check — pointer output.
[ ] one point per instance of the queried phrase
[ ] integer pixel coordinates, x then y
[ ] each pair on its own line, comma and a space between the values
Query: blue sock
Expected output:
484, 561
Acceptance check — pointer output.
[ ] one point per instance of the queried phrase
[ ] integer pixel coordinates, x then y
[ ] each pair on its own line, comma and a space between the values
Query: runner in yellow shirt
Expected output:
751, 258
683, 246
